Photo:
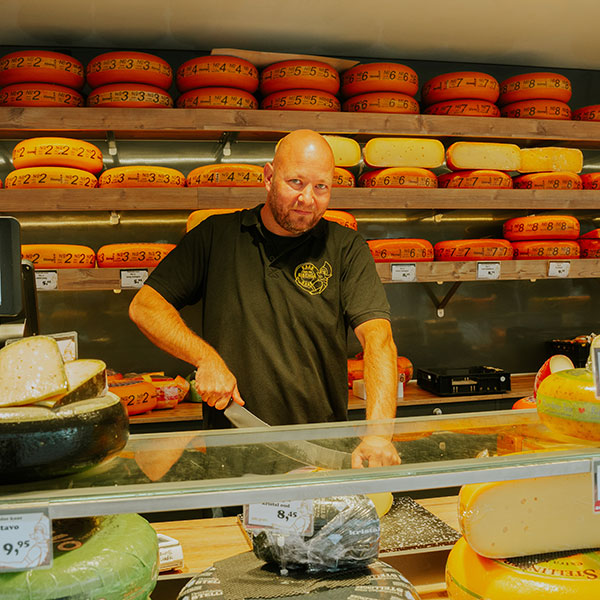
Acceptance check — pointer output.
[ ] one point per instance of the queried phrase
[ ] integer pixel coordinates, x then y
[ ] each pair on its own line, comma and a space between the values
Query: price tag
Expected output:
25, 541
488, 270
595, 369
404, 272
133, 278
596, 477
285, 517
46, 280
558, 269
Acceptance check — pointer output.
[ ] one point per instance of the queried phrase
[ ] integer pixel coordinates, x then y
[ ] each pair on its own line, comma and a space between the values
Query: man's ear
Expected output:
268, 176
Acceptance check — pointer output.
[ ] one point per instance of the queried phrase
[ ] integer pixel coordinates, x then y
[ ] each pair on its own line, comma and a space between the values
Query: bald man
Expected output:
279, 287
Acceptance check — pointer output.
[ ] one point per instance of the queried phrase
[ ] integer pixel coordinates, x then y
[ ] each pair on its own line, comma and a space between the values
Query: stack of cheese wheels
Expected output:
383, 87
346, 154
300, 85
535, 96
130, 80
217, 81
464, 93
132, 255
550, 168
401, 162
589, 244
141, 176
40, 78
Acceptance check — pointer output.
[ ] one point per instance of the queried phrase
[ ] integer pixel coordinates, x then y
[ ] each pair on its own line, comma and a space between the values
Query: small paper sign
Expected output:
133, 278
285, 517
25, 541
595, 369
488, 270
404, 272
596, 477
558, 269
46, 280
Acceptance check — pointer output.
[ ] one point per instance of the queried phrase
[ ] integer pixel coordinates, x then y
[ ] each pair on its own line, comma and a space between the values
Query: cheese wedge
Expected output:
87, 379
552, 158
483, 155
404, 152
346, 151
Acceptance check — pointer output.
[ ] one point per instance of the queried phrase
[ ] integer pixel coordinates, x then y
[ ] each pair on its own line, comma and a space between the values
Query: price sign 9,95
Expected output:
25, 541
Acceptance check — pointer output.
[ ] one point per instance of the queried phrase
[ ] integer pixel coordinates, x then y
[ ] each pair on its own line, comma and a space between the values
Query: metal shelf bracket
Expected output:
440, 305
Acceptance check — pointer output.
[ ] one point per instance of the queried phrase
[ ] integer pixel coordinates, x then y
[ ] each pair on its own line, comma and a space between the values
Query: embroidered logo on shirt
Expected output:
311, 279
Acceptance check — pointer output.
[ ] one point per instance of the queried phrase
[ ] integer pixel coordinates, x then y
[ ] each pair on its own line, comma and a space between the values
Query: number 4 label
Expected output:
25, 541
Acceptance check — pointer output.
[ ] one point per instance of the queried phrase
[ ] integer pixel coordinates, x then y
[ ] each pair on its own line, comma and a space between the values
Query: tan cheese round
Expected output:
404, 152
483, 155
551, 158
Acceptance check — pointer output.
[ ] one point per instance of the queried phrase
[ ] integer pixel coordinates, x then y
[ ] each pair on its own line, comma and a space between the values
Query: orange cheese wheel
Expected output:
136, 395
43, 66
217, 97
343, 178
342, 218
590, 181
141, 176
545, 249
169, 392
587, 113
407, 177
299, 74
589, 247
226, 175
379, 77
132, 255
217, 71
382, 102
50, 177
537, 109
129, 95
39, 94
460, 85
57, 152
558, 180
129, 67
196, 217
301, 99
401, 250
541, 227
59, 256
475, 179
531, 86
464, 108
465, 250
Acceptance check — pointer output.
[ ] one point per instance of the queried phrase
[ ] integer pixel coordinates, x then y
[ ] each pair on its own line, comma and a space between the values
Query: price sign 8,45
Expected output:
286, 517
25, 541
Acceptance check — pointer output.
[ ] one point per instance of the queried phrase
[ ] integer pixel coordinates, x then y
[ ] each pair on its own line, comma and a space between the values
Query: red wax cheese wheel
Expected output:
50, 177
558, 180
226, 175
132, 255
532, 86
451, 250
587, 113
136, 395
537, 109
57, 152
169, 392
542, 227
217, 97
382, 102
301, 99
342, 218
379, 77
545, 249
39, 94
459, 85
129, 67
59, 256
299, 74
198, 216
593, 234
406, 177
589, 248
43, 66
475, 179
129, 95
401, 250
590, 181
217, 71
464, 108
141, 176
343, 178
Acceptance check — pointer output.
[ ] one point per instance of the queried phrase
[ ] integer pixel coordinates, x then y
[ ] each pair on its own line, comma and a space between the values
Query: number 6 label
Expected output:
25, 541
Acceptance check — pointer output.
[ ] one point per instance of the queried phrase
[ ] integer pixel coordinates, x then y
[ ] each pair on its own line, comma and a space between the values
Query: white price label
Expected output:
133, 278
25, 541
46, 280
404, 272
558, 269
488, 270
286, 517
596, 477
595, 369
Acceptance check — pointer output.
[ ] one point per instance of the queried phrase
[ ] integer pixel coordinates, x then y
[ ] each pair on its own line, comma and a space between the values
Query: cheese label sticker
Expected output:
46, 280
404, 272
25, 541
558, 269
286, 517
488, 270
133, 278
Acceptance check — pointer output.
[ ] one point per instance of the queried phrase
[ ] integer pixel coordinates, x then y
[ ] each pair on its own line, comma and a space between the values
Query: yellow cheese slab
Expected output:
483, 155
552, 158
346, 151
404, 152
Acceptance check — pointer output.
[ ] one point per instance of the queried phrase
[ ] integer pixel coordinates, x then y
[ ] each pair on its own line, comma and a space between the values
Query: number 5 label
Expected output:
25, 541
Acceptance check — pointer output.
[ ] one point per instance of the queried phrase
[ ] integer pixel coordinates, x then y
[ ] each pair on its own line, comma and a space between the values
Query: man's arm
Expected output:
162, 324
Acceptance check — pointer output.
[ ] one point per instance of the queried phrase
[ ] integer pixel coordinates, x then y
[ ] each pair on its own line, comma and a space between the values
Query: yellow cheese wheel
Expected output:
587, 113
196, 217
537, 109
531, 86
463, 108
299, 74
39, 94
129, 95
132, 255
460, 85
379, 77
475, 179
401, 250
341, 178
50, 177
406, 177
342, 218
466, 250
382, 102
559, 180
483, 155
226, 175
346, 151
301, 99
59, 256
141, 176
590, 181
57, 152
217, 97
217, 71
546, 249
404, 152
589, 248
551, 158
43, 66
541, 227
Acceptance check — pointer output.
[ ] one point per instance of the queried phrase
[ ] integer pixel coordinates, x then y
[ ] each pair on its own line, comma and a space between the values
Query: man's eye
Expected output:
321, 186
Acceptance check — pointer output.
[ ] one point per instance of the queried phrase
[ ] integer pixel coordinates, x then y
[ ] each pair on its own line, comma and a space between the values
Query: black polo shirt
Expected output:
277, 310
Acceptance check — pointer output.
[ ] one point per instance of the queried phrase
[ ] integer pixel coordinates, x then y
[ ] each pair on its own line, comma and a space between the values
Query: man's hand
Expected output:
216, 383
376, 451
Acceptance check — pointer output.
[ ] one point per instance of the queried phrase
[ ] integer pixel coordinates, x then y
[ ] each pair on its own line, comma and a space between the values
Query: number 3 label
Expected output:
25, 541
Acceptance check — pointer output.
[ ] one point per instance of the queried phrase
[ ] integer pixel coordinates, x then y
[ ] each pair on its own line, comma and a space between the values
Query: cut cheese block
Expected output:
551, 158
565, 576
141, 176
198, 216
465, 250
87, 379
301, 99
217, 97
587, 113
137, 396
129, 67
546, 249
382, 102
475, 179
460, 85
559, 180
31, 370
590, 181
398, 177
343, 178
43, 66
59, 256
57, 152
299, 74
39, 94
379, 77
129, 95
342, 218
226, 175
483, 155
217, 71
346, 151
50, 177
537, 109
541, 227
589, 248
531, 86
132, 255
463, 108
401, 250
404, 152
169, 391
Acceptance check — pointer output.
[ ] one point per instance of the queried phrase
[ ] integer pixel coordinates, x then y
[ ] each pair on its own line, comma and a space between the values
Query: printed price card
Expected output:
25, 540
133, 278
46, 280
488, 270
286, 517
404, 272
558, 269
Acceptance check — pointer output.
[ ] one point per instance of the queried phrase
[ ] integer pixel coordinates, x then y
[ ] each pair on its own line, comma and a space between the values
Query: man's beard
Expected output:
286, 221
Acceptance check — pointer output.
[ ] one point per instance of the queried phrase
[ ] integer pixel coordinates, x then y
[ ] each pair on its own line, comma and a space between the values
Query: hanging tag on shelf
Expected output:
133, 278
26, 540
488, 270
288, 517
404, 272
46, 280
558, 269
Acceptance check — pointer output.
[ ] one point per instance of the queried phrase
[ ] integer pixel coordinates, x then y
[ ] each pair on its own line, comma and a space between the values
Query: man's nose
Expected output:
306, 195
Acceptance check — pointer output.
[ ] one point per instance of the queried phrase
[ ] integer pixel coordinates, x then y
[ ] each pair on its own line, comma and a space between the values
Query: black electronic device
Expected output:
11, 296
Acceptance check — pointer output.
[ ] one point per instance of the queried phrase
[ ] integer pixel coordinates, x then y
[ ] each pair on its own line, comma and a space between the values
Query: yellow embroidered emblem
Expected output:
313, 280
